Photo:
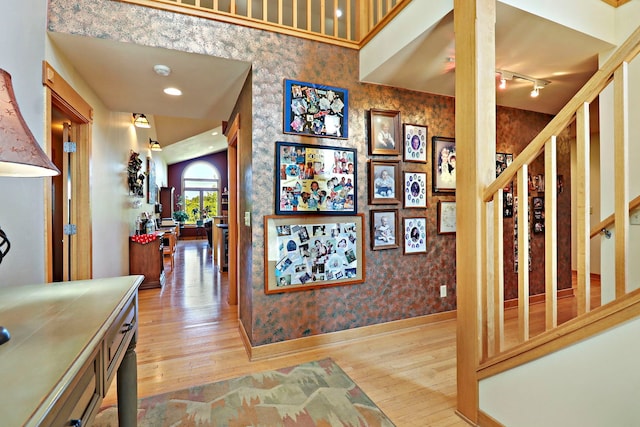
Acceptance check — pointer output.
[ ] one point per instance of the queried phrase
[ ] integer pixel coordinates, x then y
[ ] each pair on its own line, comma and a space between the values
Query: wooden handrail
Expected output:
608, 221
629, 49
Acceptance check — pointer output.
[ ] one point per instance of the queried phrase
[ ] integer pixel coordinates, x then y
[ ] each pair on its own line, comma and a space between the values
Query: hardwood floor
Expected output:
188, 335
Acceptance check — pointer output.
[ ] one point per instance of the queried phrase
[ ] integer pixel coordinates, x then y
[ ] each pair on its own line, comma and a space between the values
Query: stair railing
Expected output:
615, 71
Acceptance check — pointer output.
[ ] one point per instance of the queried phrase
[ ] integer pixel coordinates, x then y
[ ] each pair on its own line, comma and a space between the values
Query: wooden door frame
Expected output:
60, 94
233, 219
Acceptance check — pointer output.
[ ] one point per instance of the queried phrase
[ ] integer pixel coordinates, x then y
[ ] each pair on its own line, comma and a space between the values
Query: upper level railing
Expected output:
341, 22
614, 71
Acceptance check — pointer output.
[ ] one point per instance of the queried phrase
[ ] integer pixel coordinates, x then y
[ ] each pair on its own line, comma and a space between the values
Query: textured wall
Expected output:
397, 286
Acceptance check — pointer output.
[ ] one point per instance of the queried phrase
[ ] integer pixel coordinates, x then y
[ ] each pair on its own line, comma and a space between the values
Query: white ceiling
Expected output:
122, 75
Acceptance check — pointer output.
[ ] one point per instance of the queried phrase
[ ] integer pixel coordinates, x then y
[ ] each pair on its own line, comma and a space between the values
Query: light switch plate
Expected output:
247, 219
634, 218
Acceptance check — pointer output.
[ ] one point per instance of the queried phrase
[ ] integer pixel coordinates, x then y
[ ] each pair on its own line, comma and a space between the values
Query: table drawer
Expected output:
81, 401
118, 339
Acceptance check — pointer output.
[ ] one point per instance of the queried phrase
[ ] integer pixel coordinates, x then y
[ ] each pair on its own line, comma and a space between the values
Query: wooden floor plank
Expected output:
188, 335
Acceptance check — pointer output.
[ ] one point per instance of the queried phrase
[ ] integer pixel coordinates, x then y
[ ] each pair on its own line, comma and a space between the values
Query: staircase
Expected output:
534, 371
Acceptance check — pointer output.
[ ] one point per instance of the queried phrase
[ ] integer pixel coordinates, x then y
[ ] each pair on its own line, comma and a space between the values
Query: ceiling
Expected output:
122, 75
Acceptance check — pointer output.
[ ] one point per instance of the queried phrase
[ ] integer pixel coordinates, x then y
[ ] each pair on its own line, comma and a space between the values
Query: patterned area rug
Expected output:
312, 394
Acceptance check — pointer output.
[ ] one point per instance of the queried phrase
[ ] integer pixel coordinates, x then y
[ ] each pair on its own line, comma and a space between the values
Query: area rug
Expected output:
311, 394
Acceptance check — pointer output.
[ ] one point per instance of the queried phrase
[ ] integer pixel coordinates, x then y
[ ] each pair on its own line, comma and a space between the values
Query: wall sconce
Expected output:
20, 154
510, 75
154, 145
140, 121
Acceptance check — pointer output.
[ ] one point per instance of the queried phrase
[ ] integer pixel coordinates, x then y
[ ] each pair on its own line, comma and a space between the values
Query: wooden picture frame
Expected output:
446, 217
315, 110
415, 143
315, 179
384, 132
384, 229
415, 189
384, 182
415, 235
443, 160
305, 252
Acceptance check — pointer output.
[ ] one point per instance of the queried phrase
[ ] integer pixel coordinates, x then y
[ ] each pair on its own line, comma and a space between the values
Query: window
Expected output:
201, 192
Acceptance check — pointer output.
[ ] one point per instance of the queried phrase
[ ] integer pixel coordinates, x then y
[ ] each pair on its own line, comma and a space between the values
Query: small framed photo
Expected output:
415, 235
415, 190
384, 180
446, 217
384, 229
384, 132
444, 164
415, 143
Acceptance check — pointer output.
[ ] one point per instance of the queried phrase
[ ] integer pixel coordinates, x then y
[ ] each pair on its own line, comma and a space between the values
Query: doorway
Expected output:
68, 208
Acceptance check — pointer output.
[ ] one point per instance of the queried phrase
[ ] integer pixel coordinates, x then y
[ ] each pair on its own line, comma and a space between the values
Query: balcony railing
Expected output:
342, 22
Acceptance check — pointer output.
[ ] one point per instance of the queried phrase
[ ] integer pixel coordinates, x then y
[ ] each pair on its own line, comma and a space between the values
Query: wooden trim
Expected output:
383, 22
582, 208
551, 234
63, 96
233, 155
573, 331
307, 343
486, 420
71, 102
616, 3
523, 253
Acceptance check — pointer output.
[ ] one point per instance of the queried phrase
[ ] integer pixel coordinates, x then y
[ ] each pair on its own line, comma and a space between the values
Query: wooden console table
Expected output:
68, 341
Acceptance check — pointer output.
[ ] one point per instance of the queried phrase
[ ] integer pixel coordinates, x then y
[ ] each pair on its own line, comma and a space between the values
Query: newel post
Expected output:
474, 23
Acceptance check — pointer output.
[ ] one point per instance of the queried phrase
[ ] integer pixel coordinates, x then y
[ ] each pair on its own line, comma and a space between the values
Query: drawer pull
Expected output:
127, 327
75, 423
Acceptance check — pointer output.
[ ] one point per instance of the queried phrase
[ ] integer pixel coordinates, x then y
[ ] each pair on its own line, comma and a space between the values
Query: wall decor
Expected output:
444, 164
152, 188
415, 235
384, 132
446, 217
135, 178
415, 143
538, 215
415, 190
315, 178
384, 182
503, 160
315, 110
384, 229
309, 252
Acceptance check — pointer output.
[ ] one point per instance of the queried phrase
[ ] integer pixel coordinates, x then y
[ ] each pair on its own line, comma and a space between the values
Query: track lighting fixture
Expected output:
154, 145
510, 75
140, 121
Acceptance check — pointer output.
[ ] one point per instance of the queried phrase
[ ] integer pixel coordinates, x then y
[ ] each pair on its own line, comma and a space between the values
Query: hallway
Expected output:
188, 335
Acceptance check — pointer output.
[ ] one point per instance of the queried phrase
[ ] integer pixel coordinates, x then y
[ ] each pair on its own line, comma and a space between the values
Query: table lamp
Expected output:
20, 154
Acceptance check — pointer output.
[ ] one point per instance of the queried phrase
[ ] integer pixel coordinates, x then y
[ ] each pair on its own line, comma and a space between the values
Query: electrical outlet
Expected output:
443, 291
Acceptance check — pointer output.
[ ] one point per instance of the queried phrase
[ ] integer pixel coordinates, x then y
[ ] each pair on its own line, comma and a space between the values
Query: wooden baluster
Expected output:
323, 17
498, 293
309, 5
551, 234
280, 8
523, 253
336, 23
583, 286
294, 12
347, 14
232, 7
621, 162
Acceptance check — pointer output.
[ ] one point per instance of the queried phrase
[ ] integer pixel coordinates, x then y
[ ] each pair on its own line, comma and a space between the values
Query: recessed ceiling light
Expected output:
173, 91
339, 13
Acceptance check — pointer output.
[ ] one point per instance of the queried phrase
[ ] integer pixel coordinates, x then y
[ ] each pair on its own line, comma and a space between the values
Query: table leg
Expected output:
127, 387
